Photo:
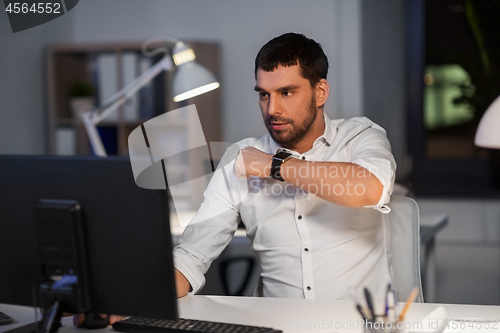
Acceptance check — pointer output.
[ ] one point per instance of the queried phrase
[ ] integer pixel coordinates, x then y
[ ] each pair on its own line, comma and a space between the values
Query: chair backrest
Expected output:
403, 246
402, 228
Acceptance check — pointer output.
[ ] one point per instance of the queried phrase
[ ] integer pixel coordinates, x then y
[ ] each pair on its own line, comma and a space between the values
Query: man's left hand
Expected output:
252, 162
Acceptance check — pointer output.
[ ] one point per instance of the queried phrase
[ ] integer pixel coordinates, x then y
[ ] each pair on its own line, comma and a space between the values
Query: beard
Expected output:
290, 136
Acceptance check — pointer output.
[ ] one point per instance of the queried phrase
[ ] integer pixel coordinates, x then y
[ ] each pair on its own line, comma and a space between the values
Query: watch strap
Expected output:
278, 160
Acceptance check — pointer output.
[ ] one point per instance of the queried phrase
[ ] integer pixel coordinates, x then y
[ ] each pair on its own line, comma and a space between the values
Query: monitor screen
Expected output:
126, 229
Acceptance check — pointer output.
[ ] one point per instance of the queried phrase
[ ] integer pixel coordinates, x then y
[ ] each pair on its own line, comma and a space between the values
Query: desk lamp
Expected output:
488, 131
488, 136
191, 79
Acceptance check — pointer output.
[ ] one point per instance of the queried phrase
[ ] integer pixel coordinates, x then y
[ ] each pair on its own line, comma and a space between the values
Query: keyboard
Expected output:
144, 325
5, 319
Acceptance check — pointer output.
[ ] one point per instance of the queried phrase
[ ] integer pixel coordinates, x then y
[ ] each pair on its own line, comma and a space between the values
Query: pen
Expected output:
410, 300
350, 290
391, 303
369, 303
387, 299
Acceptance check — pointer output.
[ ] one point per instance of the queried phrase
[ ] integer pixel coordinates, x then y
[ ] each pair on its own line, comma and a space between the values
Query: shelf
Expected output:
69, 122
108, 67
70, 62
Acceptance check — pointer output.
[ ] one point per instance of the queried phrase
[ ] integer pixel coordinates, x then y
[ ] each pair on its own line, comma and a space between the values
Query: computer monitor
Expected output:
126, 228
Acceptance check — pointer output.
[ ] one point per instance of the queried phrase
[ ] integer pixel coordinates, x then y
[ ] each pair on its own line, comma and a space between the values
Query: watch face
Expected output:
282, 155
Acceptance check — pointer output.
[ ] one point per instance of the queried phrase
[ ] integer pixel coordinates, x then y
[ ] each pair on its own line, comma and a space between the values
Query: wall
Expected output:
241, 28
22, 83
383, 73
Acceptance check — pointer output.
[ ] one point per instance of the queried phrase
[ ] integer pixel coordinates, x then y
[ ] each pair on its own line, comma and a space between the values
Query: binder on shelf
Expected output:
109, 139
107, 84
146, 94
65, 141
130, 72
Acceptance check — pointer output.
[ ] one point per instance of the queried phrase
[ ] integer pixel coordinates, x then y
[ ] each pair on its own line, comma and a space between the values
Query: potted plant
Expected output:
81, 97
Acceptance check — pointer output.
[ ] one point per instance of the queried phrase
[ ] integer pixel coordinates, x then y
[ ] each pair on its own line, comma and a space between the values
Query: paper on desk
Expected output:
438, 321
474, 325
432, 323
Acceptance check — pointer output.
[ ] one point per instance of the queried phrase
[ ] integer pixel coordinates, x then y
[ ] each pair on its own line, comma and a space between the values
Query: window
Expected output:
453, 59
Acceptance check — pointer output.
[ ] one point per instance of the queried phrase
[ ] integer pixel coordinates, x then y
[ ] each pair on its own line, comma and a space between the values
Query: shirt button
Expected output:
303, 157
306, 249
308, 288
299, 217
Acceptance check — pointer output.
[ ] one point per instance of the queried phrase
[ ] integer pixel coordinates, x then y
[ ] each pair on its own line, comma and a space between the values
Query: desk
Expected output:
287, 315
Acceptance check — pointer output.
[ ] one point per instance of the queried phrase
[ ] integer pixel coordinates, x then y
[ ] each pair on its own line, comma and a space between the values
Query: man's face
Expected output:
288, 104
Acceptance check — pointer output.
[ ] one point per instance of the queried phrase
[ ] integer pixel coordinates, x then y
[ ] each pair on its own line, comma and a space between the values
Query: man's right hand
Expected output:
183, 286
78, 319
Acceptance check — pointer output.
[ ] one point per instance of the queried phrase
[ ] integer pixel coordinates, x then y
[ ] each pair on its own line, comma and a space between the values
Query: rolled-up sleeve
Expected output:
371, 150
211, 229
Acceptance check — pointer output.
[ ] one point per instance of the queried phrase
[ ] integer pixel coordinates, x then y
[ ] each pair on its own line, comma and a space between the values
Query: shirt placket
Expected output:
306, 250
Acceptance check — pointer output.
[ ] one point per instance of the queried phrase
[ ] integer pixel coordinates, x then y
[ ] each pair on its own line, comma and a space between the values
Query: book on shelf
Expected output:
107, 83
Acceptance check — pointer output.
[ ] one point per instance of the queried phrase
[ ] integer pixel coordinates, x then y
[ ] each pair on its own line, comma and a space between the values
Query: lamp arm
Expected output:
94, 117
110, 105
94, 137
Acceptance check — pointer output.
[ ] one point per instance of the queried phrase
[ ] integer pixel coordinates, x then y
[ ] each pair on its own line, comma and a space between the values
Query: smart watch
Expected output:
278, 160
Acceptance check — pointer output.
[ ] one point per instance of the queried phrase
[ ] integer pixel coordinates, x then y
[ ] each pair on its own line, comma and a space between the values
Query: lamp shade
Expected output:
488, 131
191, 78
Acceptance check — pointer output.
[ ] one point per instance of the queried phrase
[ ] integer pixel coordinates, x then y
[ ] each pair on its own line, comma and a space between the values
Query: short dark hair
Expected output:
290, 48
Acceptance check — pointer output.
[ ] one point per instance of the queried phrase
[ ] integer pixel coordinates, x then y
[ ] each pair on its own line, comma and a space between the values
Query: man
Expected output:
302, 209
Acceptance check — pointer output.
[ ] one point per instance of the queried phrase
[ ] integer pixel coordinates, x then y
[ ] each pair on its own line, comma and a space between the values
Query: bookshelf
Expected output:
107, 67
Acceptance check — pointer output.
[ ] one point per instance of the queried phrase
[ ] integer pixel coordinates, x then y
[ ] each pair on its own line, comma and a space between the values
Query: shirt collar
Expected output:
330, 130
326, 138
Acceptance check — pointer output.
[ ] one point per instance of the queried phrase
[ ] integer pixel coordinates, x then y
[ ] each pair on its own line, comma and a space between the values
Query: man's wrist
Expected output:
292, 164
182, 283
278, 160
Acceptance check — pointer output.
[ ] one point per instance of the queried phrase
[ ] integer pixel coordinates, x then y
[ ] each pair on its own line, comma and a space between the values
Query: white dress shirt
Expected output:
307, 246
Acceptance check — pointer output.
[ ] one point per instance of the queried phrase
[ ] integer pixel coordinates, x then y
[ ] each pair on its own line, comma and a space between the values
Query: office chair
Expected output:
403, 246
225, 274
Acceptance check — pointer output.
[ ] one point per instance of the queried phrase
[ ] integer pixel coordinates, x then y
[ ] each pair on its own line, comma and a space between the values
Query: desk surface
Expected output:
288, 315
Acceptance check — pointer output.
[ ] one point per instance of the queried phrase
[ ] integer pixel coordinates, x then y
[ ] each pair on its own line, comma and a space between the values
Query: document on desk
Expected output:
438, 321
479, 325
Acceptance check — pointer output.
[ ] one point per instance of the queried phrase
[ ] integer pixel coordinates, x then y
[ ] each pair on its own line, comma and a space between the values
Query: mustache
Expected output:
275, 119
